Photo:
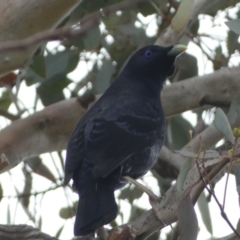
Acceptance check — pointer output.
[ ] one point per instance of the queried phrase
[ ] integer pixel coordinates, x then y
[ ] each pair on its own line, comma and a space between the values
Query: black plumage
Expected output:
121, 135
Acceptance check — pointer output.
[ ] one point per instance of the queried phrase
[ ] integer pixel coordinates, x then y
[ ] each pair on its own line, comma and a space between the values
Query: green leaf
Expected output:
38, 167
234, 25
222, 124
51, 90
237, 177
234, 109
188, 164
61, 62
5, 100
187, 67
130, 193
31, 77
177, 132
38, 65
58, 233
124, 193
183, 15
238, 225
232, 42
1, 192
146, 8
92, 39
135, 212
188, 223
103, 77
154, 236
216, 6
205, 213
27, 187
68, 212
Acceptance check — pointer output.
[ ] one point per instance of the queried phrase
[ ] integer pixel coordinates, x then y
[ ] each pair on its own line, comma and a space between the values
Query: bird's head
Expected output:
154, 62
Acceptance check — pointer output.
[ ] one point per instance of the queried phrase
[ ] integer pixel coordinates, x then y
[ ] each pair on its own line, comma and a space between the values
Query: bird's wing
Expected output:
110, 142
74, 156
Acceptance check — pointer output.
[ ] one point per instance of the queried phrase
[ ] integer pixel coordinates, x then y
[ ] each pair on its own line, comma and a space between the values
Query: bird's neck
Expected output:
152, 86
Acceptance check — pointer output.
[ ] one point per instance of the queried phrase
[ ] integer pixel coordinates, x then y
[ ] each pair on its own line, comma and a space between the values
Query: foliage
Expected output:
54, 74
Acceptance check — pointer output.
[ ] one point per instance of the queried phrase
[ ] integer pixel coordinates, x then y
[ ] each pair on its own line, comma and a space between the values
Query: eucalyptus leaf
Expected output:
177, 132
38, 65
183, 15
205, 213
1, 192
39, 168
58, 233
187, 67
92, 39
232, 42
188, 223
27, 187
237, 177
61, 62
51, 90
5, 100
238, 225
31, 77
234, 109
68, 212
130, 193
103, 77
234, 25
222, 124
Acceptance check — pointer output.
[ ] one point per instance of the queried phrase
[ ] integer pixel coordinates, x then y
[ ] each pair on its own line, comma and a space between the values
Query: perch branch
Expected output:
49, 129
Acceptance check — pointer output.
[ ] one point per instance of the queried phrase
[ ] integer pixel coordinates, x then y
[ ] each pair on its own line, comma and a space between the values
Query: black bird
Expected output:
121, 135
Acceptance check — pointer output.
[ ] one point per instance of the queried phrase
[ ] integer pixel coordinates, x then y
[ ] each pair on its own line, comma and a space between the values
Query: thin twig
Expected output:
213, 173
34, 193
44, 36
8, 115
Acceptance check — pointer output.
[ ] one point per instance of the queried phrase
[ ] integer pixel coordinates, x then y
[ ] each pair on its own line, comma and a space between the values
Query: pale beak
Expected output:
177, 50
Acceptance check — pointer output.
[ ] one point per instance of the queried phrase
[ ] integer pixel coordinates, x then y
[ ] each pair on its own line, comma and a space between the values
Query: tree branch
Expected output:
17, 232
149, 221
66, 32
23, 18
50, 129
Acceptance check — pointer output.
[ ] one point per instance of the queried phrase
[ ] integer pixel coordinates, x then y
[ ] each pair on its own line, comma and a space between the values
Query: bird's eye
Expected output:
148, 53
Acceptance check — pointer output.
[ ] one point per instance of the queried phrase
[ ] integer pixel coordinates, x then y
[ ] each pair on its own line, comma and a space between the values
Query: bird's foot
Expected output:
153, 198
149, 192
102, 233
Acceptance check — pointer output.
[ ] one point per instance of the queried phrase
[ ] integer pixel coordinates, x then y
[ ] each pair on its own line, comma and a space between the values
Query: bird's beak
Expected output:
177, 50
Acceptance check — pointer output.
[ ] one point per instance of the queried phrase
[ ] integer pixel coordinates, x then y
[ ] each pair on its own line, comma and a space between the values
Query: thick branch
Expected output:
44, 131
23, 18
147, 223
66, 32
198, 91
50, 129
17, 232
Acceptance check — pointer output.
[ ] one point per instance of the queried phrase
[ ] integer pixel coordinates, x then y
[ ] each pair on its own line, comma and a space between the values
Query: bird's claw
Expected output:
153, 198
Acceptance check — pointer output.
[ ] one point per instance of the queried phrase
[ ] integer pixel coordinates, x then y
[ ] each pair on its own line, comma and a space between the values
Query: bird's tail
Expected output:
95, 208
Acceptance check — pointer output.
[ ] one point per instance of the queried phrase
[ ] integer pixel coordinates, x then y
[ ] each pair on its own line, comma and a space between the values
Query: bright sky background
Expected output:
48, 207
